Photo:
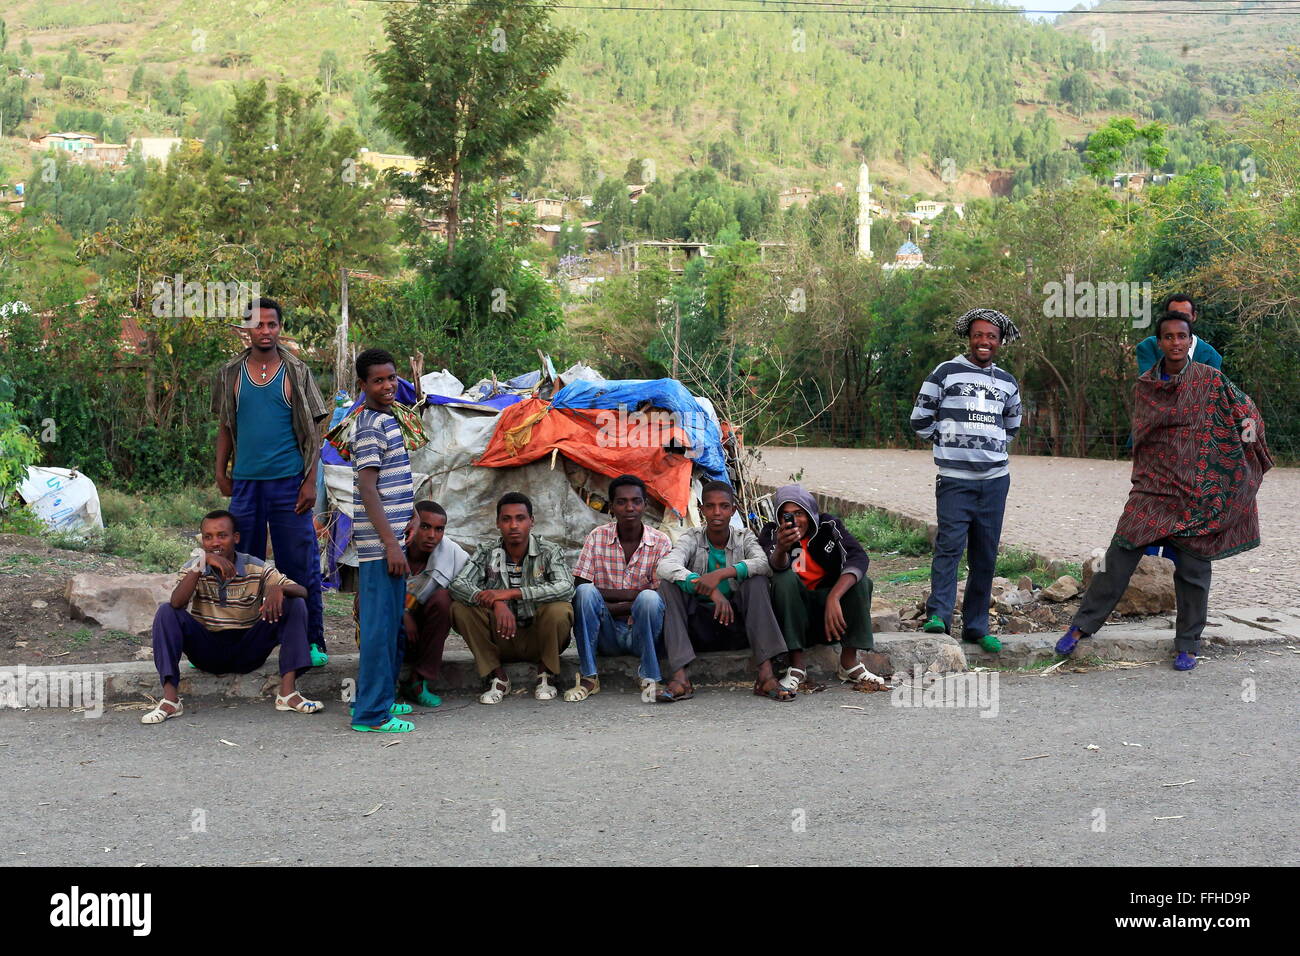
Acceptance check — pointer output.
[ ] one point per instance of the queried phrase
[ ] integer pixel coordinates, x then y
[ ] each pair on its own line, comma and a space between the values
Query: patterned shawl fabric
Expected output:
1199, 456
408, 423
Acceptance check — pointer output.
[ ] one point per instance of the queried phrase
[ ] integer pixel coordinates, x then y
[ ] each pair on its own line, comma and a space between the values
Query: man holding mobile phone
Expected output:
820, 590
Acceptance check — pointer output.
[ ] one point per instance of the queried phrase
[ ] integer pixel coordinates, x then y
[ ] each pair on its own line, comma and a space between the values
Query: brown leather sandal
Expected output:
772, 688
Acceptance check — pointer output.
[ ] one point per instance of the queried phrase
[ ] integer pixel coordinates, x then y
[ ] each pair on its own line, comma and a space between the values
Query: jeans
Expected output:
598, 632
257, 504
970, 519
381, 600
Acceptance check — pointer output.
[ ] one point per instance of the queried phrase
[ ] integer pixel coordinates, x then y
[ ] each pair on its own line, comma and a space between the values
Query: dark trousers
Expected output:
970, 519
801, 612
432, 624
258, 505
380, 601
689, 624
1191, 593
237, 651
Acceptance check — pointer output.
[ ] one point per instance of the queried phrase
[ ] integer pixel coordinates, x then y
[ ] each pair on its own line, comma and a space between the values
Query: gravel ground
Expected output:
1060, 507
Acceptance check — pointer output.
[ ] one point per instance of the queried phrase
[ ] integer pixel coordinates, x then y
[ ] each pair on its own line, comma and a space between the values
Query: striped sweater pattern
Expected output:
970, 414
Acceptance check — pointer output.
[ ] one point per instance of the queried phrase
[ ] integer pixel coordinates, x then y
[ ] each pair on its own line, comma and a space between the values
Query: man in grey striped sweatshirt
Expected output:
970, 410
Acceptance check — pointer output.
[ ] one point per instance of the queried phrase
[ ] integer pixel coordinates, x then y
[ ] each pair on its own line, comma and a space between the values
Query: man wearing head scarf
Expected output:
820, 590
1199, 457
969, 409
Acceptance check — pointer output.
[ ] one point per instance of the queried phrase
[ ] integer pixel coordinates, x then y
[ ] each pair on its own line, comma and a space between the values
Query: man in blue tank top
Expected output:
269, 412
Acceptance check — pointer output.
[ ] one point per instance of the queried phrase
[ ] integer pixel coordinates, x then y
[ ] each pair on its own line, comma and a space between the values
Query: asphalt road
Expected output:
726, 778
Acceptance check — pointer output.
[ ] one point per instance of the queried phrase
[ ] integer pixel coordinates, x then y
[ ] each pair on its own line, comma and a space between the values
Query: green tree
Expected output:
327, 70
465, 87
611, 205
284, 204
707, 220
137, 81
1108, 146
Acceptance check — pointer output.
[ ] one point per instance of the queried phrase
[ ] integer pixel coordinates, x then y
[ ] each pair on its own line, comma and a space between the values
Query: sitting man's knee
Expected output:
555, 611
648, 603
587, 593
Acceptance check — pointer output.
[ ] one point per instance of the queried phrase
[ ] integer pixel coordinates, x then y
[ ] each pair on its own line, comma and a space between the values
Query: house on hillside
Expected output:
83, 148
156, 147
794, 196
928, 210
546, 208
71, 143
382, 161
635, 191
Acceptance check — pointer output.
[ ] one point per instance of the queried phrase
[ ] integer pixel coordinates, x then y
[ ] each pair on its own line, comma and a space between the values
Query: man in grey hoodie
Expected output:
820, 589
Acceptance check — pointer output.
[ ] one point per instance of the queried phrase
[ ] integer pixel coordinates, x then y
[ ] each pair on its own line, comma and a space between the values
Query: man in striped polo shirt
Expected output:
383, 501
970, 410
240, 609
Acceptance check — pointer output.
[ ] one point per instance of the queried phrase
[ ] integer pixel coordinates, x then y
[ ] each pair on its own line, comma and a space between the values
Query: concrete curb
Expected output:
131, 680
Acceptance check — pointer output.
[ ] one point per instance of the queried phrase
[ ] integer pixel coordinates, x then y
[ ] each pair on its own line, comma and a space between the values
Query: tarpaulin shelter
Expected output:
502, 436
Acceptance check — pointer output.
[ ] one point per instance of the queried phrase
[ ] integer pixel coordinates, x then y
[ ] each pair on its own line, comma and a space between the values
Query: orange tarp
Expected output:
596, 439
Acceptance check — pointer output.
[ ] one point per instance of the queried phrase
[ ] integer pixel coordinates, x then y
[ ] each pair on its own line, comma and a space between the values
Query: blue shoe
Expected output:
318, 657
1184, 661
1066, 645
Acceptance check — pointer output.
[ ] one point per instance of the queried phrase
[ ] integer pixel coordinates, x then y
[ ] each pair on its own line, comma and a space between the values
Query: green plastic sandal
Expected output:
397, 710
421, 694
391, 726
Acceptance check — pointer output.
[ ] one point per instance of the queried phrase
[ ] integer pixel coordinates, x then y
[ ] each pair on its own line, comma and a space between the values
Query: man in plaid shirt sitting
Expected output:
617, 607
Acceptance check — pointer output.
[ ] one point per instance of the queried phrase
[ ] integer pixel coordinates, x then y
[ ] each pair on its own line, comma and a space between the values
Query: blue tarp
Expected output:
666, 393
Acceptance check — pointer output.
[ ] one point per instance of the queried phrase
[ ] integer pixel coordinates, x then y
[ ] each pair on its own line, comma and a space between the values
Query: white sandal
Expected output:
496, 692
579, 691
544, 690
794, 676
158, 715
857, 673
304, 706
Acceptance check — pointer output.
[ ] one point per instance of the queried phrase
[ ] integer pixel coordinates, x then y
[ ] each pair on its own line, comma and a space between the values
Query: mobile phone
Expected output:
788, 517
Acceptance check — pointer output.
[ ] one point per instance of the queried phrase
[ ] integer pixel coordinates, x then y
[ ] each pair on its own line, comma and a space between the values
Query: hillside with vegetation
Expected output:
960, 106
1103, 162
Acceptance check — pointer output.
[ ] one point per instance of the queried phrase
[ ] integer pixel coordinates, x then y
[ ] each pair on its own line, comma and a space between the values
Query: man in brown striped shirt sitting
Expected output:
240, 608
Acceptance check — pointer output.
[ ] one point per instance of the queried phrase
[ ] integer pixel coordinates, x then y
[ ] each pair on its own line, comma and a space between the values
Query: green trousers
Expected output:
801, 612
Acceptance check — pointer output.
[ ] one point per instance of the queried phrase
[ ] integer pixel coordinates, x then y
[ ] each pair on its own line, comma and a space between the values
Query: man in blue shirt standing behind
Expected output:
970, 410
268, 413
1148, 352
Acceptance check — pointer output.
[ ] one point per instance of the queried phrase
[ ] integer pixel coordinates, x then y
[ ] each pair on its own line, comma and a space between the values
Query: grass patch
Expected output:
175, 509
81, 636
908, 577
155, 548
882, 533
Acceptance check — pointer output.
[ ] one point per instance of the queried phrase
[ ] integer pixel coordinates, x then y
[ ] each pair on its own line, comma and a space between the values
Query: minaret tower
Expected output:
864, 212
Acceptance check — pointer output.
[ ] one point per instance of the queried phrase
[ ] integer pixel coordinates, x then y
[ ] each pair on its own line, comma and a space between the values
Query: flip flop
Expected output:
774, 693
391, 726
666, 696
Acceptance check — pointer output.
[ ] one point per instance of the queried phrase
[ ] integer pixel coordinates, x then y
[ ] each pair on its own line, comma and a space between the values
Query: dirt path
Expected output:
1060, 507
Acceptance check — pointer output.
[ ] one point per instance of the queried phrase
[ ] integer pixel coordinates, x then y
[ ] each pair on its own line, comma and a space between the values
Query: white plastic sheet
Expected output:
62, 499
